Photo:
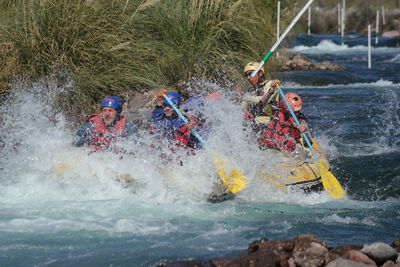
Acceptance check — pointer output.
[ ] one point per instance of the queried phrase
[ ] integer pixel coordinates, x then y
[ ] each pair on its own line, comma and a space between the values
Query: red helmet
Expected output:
294, 101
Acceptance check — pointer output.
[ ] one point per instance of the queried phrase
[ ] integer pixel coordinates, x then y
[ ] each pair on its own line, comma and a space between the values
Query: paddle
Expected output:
329, 181
282, 37
235, 180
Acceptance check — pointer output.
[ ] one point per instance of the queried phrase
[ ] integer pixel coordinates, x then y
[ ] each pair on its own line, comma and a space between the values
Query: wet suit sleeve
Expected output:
157, 116
167, 126
84, 134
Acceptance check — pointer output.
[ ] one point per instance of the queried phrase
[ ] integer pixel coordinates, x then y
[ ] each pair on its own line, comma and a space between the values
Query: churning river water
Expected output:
61, 207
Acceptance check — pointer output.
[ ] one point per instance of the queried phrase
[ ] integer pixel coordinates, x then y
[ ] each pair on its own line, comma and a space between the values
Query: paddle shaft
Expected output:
282, 37
297, 121
185, 120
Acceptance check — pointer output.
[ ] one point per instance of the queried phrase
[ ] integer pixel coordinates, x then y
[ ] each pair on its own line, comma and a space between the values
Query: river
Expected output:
61, 207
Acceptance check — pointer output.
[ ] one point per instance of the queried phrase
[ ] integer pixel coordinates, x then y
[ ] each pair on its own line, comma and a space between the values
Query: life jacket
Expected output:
261, 113
185, 138
281, 133
102, 136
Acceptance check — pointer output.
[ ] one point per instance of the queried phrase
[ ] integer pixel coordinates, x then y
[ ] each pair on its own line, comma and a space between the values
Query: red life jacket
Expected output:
281, 133
183, 135
102, 136
185, 139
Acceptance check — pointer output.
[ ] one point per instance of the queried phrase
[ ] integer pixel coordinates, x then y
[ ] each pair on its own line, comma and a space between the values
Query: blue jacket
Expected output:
168, 126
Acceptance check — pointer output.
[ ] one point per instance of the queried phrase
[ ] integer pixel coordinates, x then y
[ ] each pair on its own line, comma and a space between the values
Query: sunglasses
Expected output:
247, 74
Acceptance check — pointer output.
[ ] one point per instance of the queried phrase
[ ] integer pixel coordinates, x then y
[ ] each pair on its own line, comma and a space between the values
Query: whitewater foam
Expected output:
381, 83
329, 47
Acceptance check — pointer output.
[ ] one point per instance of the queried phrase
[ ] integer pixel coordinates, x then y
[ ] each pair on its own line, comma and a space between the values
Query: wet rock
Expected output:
297, 61
391, 264
261, 253
396, 243
340, 251
391, 34
255, 245
305, 239
181, 264
355, 255
380, 252
269, 258
340, 262
326, 65
309, 250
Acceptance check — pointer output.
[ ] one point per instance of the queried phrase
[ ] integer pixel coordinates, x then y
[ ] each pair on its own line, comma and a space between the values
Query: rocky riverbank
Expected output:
297, 61
307, 250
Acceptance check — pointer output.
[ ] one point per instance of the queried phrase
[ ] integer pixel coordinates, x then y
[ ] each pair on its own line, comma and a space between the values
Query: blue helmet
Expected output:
112, 101
194, 105
175, 98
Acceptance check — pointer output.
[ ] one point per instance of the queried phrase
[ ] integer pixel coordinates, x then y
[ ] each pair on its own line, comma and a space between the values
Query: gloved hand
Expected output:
160, 96
193, 121
274, 85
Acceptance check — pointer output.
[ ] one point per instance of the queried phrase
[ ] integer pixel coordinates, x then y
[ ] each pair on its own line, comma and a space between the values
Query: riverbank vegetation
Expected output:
103, 47
111, 47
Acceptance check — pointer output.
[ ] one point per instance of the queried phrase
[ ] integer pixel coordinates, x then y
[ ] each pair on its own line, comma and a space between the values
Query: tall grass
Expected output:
110, 47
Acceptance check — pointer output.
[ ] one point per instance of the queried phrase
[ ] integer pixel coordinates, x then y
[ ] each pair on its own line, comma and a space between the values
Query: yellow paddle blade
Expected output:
234, 180
61, 168
331, 184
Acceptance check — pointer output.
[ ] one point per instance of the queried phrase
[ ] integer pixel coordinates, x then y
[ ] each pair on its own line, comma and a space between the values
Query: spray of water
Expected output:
39, 164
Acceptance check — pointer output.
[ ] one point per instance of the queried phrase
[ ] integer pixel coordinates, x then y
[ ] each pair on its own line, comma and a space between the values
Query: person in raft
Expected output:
193, 110
168, 124
166, 121
101, 130
282, 132
258, 114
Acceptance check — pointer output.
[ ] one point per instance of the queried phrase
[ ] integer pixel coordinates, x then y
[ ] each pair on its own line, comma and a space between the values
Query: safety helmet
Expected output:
294, 101
252, 66
174, 97
112, 101
213, 96
194, 105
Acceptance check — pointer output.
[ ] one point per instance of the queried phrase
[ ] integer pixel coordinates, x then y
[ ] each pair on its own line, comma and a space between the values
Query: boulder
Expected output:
297, 61
181, 264
391, 34
355, 255
391, 264
326, 65
261, 253
309, 250
267, 259
396, 243
380, 252
340, 251
340, 262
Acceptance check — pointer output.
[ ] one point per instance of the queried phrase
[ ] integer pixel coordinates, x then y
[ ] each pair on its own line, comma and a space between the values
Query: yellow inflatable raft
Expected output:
294, 174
